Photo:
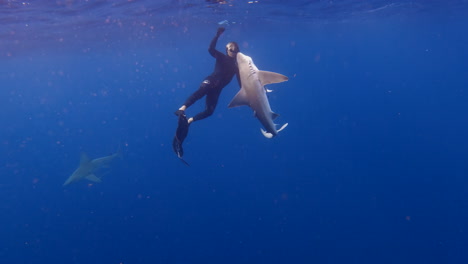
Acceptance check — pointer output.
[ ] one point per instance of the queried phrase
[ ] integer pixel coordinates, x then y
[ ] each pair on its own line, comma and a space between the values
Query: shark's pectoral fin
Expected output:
240, 99
93, 178
267, 77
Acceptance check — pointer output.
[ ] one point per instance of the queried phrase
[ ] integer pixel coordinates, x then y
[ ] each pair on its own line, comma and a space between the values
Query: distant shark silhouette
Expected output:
253, 93
87, 167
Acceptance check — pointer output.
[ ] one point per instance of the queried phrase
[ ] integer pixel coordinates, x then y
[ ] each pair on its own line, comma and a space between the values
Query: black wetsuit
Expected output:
225, 69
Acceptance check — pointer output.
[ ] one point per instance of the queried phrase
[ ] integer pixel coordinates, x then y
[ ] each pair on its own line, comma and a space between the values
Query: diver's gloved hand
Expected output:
179, 112
220, 31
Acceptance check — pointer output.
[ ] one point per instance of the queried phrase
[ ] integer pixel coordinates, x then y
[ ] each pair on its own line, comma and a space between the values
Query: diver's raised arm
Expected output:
212, 49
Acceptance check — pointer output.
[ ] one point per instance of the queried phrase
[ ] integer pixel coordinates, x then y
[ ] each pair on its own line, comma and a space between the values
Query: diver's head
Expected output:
231, 49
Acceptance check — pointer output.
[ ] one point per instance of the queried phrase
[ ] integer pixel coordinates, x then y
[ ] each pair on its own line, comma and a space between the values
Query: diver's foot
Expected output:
179, 112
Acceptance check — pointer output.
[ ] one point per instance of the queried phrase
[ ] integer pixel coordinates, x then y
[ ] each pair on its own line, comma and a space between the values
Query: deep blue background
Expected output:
371, 169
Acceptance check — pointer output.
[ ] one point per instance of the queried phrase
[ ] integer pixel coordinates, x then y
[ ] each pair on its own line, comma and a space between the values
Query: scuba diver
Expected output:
211, 87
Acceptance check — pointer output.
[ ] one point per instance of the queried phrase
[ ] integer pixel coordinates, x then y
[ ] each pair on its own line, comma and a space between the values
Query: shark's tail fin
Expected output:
270, 135
266, 134
119, 152
283, 127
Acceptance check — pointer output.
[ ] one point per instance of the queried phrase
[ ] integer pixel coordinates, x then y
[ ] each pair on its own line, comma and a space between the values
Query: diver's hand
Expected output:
220, 31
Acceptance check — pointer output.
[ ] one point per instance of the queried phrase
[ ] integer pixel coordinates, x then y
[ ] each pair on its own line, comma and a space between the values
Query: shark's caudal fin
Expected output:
119, 152
266, 134
283, 127
267, 77
270, 135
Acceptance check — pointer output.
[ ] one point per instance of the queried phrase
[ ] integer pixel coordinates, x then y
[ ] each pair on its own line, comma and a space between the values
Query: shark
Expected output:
87, 168
254, 94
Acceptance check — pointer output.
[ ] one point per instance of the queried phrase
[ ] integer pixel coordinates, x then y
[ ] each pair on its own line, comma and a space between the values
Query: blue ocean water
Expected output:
371, 169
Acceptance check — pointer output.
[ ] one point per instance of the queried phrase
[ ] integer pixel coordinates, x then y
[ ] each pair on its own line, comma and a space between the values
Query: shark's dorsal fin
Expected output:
93, 178
240, 99
274, 115
84, 159
267, 77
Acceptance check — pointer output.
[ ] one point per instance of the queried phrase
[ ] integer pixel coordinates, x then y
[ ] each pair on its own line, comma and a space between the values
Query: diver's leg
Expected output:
211, 102
197, 95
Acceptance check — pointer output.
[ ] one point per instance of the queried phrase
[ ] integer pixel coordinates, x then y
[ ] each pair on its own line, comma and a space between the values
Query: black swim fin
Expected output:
182, 128
180, 135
